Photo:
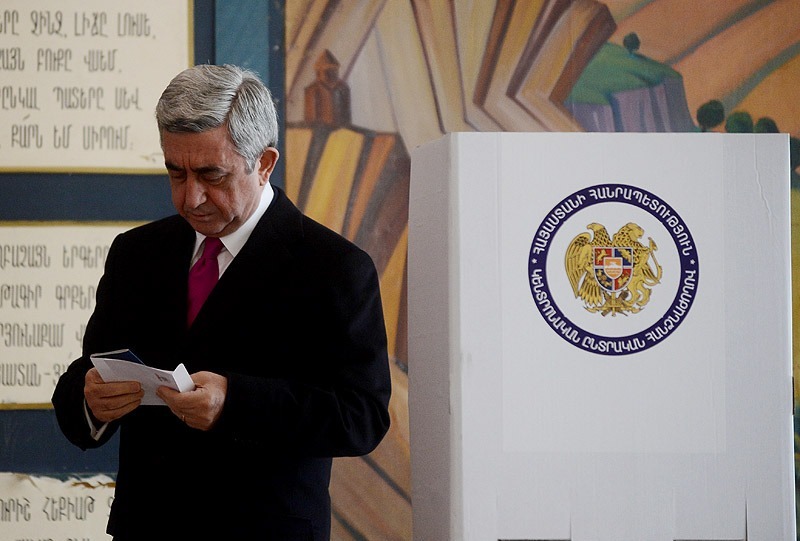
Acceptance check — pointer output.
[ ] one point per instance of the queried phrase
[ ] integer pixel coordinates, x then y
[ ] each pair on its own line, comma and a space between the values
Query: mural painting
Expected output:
367, 80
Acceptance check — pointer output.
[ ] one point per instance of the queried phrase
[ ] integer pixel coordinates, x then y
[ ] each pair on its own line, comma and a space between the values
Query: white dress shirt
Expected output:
233, 243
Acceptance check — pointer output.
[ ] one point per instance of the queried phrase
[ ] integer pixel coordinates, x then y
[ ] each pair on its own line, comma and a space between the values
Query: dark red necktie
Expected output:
203, 276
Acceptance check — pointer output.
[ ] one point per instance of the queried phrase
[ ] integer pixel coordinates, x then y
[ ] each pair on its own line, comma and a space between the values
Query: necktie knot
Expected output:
203, 276
213, 246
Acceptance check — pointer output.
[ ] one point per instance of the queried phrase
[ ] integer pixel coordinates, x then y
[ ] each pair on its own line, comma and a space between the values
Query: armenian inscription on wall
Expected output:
79, 82
48, 279
46, 509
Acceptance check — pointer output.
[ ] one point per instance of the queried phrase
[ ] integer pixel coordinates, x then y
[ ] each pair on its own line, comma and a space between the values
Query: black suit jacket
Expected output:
295, 323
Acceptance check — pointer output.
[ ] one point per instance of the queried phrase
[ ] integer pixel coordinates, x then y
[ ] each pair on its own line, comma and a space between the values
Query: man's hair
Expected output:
205, 97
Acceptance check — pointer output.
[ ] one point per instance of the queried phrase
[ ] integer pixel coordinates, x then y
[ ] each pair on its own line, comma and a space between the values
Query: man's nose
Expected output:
195, 192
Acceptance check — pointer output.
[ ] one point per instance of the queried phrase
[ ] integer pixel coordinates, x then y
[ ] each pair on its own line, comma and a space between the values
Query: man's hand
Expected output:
199, 408
110, 401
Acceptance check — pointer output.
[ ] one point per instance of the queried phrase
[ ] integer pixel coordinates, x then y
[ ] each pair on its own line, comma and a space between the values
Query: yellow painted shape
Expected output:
298, 141
330, 192
392, 289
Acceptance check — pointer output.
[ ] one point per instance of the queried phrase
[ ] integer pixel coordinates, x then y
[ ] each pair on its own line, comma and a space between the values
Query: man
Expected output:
288, 352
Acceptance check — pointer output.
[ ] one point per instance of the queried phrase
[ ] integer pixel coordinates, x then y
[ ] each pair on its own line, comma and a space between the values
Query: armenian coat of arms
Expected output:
612, 275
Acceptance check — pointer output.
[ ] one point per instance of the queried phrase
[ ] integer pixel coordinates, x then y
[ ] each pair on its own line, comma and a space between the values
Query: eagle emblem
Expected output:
612, 275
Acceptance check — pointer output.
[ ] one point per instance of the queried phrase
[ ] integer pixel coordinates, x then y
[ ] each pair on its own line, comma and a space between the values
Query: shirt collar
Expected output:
235, 241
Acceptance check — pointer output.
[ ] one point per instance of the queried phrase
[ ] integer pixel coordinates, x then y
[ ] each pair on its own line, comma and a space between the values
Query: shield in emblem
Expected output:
613, 267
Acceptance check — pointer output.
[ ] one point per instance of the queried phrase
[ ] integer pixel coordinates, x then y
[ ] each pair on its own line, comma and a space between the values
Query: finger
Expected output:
117, 402
93, 376
112, 411
122, 393
165, 393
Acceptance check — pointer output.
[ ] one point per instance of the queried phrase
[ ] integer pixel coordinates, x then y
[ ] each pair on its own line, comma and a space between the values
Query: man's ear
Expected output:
266, 163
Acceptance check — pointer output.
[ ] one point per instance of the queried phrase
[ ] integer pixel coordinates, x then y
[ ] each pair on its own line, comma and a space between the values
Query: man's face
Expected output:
211, 186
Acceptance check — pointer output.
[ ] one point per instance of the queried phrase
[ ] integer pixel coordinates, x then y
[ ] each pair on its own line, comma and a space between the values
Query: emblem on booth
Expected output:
605, 276
612, 275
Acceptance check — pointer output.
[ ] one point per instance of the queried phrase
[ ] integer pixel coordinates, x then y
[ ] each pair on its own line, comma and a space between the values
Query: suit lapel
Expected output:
173, 261
261, 261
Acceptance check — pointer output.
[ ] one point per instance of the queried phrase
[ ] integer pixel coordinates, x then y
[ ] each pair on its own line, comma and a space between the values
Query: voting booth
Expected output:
600, 337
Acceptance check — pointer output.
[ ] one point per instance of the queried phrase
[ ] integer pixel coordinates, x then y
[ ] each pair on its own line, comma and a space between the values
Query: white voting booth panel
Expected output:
599, 337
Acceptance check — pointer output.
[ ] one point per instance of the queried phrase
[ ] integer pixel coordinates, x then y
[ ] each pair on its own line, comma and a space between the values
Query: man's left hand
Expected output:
199, 408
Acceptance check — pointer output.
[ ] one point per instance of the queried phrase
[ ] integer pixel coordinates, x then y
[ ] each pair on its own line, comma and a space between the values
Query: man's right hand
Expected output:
110, 401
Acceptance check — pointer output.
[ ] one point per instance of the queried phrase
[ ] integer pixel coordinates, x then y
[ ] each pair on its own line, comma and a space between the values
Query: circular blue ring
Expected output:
621, 345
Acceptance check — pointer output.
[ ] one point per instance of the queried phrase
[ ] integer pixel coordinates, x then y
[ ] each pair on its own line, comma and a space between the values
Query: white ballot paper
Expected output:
124, 365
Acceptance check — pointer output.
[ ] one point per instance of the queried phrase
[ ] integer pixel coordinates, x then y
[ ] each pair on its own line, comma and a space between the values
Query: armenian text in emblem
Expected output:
612, 275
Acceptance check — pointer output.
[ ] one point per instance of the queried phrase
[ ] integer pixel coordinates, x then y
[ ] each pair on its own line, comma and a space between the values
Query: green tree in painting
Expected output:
710, 115
739, 122
766, 125
631, 42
